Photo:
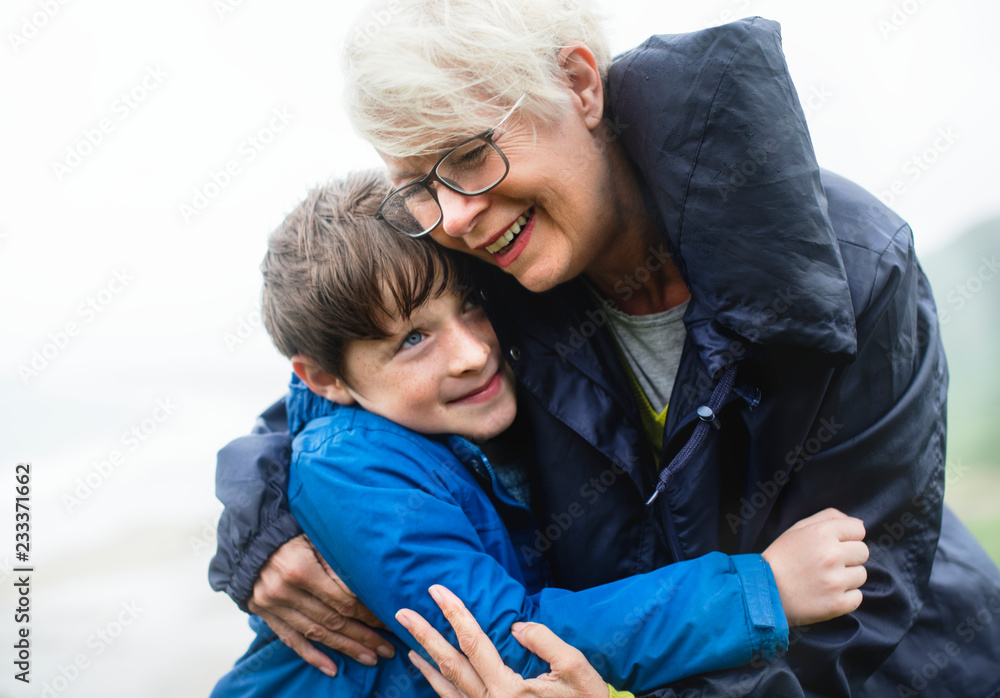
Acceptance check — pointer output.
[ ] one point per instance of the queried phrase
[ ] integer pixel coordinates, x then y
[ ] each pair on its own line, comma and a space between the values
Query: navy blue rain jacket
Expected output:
810, 287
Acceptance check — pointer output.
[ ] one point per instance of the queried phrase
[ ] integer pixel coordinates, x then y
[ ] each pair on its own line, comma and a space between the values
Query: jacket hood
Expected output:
304, 405
714, 126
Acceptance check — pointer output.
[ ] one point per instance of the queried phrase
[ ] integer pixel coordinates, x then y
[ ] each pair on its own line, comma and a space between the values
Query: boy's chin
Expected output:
492, 427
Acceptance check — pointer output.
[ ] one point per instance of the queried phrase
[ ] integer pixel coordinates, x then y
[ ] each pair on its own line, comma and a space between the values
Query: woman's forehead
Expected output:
403, 168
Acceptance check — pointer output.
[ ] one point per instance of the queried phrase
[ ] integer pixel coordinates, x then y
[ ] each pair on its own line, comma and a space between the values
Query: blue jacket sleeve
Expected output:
251, 481
416, 520
703, 615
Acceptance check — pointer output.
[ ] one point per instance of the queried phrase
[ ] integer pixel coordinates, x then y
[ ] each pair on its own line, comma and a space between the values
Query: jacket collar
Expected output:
304, 405
714, 126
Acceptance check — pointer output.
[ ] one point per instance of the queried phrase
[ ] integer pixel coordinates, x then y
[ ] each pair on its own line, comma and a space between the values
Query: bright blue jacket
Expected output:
811, 287
394, 512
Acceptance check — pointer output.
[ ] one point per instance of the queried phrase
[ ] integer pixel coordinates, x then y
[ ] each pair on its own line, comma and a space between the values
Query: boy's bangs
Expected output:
426, 271
334, 274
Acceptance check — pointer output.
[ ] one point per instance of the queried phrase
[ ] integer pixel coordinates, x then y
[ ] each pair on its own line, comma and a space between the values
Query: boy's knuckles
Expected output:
865, 554
856, 598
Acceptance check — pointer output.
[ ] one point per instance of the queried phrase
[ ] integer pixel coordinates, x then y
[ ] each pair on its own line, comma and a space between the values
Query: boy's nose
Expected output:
470, 352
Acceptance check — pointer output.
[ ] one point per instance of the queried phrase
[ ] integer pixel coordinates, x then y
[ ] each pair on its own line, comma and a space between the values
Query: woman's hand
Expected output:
478, 669
303, 600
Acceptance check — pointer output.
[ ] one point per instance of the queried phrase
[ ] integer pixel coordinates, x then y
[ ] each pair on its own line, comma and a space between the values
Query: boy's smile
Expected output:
439, 372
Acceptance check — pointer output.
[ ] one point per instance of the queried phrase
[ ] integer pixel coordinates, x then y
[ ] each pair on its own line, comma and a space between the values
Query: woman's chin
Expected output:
537, 278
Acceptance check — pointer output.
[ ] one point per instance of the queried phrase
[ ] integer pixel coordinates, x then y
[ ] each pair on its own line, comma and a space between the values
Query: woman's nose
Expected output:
459, 212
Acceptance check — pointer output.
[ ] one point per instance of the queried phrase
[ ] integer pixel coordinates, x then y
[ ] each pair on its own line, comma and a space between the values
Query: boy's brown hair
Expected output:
334, 274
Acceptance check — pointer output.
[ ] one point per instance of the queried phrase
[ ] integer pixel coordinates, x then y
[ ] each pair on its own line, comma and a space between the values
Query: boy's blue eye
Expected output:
412, 340
471, 301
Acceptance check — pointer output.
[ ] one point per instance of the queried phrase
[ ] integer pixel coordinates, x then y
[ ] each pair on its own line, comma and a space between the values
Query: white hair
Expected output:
421, 73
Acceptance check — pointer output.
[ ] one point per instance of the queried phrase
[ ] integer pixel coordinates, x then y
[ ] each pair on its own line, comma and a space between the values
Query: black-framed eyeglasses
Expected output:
472, 167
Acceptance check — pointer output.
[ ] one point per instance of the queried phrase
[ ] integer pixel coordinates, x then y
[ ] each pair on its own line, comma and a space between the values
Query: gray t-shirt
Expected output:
652, 346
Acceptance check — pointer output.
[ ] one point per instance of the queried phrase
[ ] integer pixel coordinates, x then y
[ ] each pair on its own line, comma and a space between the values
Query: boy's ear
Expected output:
584, 77
320, 382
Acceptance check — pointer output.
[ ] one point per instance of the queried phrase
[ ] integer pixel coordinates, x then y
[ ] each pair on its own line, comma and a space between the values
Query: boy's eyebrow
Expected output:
394, 335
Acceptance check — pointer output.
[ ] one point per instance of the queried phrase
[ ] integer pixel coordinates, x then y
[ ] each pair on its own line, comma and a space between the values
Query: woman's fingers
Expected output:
570, 674
452, 664
480, 671
299, 643
294, 586
475, 644
540, 640
442, 686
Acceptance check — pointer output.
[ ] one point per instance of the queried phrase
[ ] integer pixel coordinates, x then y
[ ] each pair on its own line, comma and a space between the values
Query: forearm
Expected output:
251, 480
702, 615
639, 633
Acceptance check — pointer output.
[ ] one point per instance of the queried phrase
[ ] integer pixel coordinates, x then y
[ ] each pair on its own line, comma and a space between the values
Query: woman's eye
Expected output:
473, 157
412, 340
460, 162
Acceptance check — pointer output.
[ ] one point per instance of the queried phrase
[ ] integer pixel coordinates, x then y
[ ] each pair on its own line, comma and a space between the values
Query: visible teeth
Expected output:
506, 238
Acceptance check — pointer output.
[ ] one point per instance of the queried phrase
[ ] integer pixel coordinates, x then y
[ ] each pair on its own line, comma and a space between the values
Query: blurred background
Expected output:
147, 151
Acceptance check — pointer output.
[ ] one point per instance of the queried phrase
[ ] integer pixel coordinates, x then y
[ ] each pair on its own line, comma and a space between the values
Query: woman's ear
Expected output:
584, 78
320, 382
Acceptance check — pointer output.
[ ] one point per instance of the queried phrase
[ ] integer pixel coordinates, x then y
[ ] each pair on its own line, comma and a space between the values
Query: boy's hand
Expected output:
304, 601
478, 669
818, 565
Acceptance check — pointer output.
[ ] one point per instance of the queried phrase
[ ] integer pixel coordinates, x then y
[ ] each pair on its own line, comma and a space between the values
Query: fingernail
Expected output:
403, 620
387, 651
518, 627
435, 593
329, 671
368, 659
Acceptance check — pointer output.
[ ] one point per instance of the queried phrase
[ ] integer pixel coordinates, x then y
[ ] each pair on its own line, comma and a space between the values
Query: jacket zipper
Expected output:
673, 543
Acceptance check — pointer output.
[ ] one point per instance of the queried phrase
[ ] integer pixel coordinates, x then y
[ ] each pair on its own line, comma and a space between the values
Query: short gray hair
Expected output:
421, 73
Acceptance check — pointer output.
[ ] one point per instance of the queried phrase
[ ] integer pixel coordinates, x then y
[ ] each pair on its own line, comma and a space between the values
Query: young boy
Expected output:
396, 369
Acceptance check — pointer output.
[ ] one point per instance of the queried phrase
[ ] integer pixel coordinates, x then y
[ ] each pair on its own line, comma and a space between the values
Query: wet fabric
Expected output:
811, 287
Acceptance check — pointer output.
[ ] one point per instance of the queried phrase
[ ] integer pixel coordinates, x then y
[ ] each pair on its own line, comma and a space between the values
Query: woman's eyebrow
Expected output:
408, 169
407, 177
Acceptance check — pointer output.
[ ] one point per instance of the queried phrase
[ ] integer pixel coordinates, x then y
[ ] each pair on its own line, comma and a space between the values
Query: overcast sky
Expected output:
147, 150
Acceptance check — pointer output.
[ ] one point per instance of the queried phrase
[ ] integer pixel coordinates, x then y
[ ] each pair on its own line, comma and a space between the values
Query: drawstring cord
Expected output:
706, 413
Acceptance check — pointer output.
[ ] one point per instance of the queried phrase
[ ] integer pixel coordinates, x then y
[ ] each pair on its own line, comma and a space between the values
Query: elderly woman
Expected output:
713, 337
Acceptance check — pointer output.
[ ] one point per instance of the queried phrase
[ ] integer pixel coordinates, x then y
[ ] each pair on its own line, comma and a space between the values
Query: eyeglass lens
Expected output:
471, 168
